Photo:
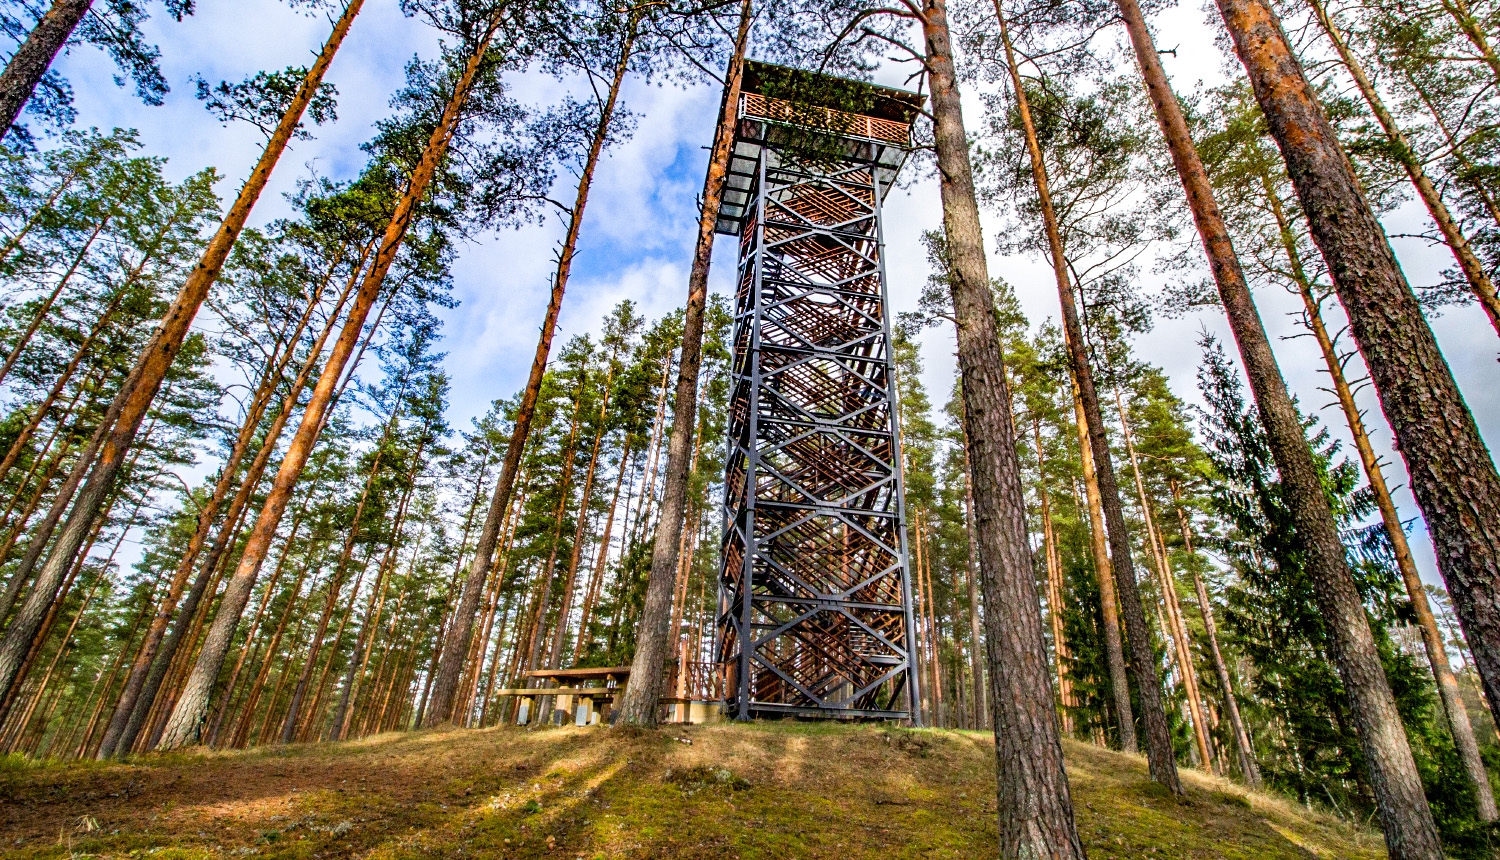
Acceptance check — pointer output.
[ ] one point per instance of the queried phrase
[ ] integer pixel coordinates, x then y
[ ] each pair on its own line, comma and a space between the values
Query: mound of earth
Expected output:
766, 790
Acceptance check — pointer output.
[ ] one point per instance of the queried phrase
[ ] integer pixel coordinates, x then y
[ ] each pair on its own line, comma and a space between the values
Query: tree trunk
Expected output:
41, 314
544, 582
268, 594
565, 608
1474, 272
247, 709
976, 642
1034, 804
1248, 768
184, 725
34, 56
1168, 583
456, 644
134, 707
596, 576
1109, 605
1432, 640
48, 469
134, 399
1060, 651
19, 445
365, 642
1159, 750
140, 670
638, 705
1409, 829
1458, 10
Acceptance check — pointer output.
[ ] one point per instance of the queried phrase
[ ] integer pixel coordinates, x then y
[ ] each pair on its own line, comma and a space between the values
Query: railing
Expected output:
824, 119
703, 681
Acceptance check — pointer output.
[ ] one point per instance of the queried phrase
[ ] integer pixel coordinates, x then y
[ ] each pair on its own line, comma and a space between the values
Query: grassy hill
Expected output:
774, 791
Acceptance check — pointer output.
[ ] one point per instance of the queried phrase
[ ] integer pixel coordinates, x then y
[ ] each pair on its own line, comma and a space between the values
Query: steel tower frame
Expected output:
815, 608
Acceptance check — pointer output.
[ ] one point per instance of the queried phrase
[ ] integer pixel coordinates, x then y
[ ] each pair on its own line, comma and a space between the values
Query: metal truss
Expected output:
815, 614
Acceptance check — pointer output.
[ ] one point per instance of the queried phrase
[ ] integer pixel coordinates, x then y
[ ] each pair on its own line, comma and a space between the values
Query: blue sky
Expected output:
637, 238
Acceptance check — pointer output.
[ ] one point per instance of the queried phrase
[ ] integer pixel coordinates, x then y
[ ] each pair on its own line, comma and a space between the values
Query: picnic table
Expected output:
587, 693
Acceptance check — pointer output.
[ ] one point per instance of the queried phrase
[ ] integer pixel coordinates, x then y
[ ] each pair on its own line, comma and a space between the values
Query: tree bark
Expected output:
226, 700
1060, 651
136, 713
1452, 475
247, 708
1109, 603
1432, 640
1159, 751
1409, 829
35, 55
976, 646
140, 669
455, 648
1035, 808
184, 725
134, 399
41, 314
596, 576
638, 705
1468, 262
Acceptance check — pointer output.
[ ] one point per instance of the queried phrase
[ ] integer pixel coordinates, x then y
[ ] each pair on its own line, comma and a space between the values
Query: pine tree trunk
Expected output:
297, 727
596, 576
24, 339
135, 397
1407, 821
141, 668
1168, 584
1248, 768
364, 642
18, 447
1468, 262
1109, 604
1034, 805
455, 649
147, 707
976, 641
184, 725
1459, 11
565, 607
638, 705
247, 708
635, 530
34, 56
1159, 750
1432, 640
257, 686
136, 706
1060, 651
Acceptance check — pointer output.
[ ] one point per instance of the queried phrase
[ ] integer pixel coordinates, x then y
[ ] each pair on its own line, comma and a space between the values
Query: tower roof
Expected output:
828, 91
809, 114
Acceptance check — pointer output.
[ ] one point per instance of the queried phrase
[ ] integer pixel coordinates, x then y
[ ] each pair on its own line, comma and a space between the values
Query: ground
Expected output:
773, 791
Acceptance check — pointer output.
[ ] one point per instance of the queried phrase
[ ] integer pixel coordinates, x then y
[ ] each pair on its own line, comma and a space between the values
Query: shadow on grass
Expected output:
773, 790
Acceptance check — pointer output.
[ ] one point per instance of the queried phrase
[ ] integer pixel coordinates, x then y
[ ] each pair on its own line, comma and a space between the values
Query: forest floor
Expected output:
774, 790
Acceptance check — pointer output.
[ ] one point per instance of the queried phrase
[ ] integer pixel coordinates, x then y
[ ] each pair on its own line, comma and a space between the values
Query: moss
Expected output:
762, 790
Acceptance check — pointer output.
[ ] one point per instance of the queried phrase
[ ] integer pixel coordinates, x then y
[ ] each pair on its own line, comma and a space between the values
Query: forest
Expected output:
237, 509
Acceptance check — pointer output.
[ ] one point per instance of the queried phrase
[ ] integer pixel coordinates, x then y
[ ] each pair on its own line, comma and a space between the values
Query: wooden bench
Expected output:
585, 687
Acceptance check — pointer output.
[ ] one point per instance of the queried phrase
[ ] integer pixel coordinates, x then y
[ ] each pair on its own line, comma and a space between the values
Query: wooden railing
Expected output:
824, 119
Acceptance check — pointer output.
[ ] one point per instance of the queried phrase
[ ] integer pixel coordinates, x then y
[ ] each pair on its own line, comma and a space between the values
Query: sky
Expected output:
636, 241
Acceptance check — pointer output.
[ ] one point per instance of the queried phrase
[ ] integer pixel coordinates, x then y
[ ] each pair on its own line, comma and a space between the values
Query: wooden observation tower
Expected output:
815, 605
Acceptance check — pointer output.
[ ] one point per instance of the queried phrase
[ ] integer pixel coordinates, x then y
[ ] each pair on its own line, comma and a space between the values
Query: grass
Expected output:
768, 791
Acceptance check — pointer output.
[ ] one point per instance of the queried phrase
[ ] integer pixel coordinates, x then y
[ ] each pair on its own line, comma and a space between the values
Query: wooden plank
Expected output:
557, 691
605, 672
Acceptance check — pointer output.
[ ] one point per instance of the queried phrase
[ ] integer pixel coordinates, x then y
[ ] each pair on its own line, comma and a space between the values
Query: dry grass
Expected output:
773, 791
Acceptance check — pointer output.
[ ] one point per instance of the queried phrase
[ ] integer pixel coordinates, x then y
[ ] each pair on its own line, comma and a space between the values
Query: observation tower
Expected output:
815, 599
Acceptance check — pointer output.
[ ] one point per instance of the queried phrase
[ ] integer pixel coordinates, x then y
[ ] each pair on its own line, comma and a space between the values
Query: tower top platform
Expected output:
785, 108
